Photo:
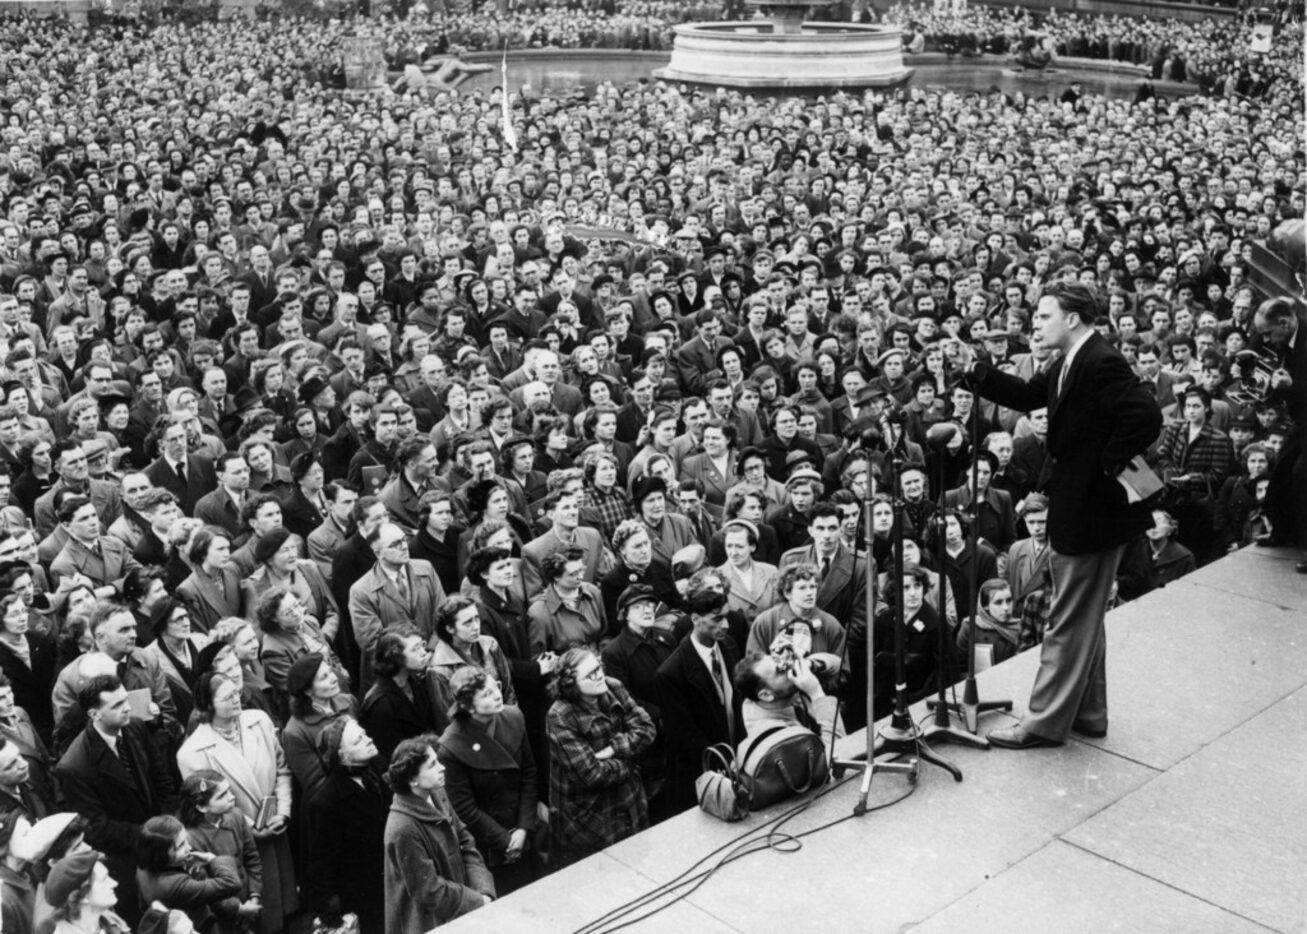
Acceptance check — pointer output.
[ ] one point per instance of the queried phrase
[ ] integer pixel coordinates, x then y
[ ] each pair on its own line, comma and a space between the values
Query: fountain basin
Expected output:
758, 54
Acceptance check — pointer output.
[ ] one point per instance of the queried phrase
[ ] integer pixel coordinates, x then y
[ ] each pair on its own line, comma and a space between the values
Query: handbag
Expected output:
718, 786
780, 762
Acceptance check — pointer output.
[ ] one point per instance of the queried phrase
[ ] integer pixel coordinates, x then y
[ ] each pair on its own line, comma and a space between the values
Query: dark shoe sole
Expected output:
1032, 742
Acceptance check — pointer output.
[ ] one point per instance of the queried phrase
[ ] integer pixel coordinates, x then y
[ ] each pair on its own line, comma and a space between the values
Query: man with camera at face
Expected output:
781, 689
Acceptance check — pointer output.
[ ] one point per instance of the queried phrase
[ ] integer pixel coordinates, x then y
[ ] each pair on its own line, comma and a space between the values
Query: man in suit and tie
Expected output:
699, 705
188, 476
1159, 381
1100, 416
102, 559
631, 417
114, 776
698, 357
75, 477
260, 283
398, 591
843, 576
222, 507
564, 511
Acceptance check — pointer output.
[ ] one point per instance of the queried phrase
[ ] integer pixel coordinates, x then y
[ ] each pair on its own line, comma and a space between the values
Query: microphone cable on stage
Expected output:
736, 848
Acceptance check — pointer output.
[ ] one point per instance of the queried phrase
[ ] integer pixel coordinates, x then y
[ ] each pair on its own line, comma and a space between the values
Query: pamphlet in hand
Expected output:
140, 701
1139, 481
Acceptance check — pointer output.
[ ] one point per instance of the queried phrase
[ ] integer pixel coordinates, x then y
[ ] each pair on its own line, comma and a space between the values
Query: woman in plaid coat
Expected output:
596, 734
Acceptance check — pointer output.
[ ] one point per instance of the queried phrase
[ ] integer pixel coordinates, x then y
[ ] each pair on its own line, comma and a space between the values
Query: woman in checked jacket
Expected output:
596, 734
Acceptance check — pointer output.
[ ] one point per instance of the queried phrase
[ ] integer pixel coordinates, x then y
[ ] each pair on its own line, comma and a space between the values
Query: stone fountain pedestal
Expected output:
784, 51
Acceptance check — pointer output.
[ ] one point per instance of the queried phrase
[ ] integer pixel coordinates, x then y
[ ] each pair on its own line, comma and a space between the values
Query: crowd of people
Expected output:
1214, 53
393, 512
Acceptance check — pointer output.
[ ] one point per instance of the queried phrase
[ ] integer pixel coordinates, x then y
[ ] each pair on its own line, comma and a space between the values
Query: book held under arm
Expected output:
1139, 480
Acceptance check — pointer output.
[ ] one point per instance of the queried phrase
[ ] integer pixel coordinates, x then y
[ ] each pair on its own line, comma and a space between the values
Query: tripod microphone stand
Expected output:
941, 728
972, 706
899, 744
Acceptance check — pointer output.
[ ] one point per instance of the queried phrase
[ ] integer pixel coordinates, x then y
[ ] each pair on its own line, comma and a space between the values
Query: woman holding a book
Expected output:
242, 746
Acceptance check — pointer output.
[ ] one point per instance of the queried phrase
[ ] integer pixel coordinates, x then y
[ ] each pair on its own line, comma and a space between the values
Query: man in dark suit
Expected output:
114, 776
565, 531
844, 575
1282, 330
187, 476
1158, 381
699, 705
222, 507
1100, 416
698, 357
1030, 452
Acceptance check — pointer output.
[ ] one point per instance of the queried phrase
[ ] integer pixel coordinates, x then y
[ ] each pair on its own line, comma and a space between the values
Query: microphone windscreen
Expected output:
940, 434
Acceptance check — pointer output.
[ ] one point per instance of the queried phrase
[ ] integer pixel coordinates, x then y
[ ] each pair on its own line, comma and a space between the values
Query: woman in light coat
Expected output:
242, 746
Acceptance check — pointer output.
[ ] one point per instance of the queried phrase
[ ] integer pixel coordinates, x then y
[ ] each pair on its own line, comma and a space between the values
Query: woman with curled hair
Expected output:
280, 567
404, 700
37, 476
213, 589
433, 871
635, 565
605, 505
493, 533
304, 435
459, 642
751, 476
170, 871
289, 634
242, 746
489, 501
552, 443
268, 377
236, 647
715, 467
490, 777
596, 734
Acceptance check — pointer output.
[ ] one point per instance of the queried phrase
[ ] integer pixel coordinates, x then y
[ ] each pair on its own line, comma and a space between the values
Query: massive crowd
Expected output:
394, 514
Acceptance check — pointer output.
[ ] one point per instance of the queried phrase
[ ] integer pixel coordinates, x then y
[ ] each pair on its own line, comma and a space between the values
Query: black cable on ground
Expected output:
736, 848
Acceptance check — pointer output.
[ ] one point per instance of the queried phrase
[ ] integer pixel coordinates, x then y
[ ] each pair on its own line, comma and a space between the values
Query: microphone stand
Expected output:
899, 743
941, 728
972, 706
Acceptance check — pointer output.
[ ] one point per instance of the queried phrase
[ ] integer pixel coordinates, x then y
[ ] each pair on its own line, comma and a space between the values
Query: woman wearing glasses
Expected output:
596, 735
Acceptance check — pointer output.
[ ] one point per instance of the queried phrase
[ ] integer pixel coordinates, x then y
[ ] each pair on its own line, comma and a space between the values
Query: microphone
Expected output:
892, 442
940, 435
